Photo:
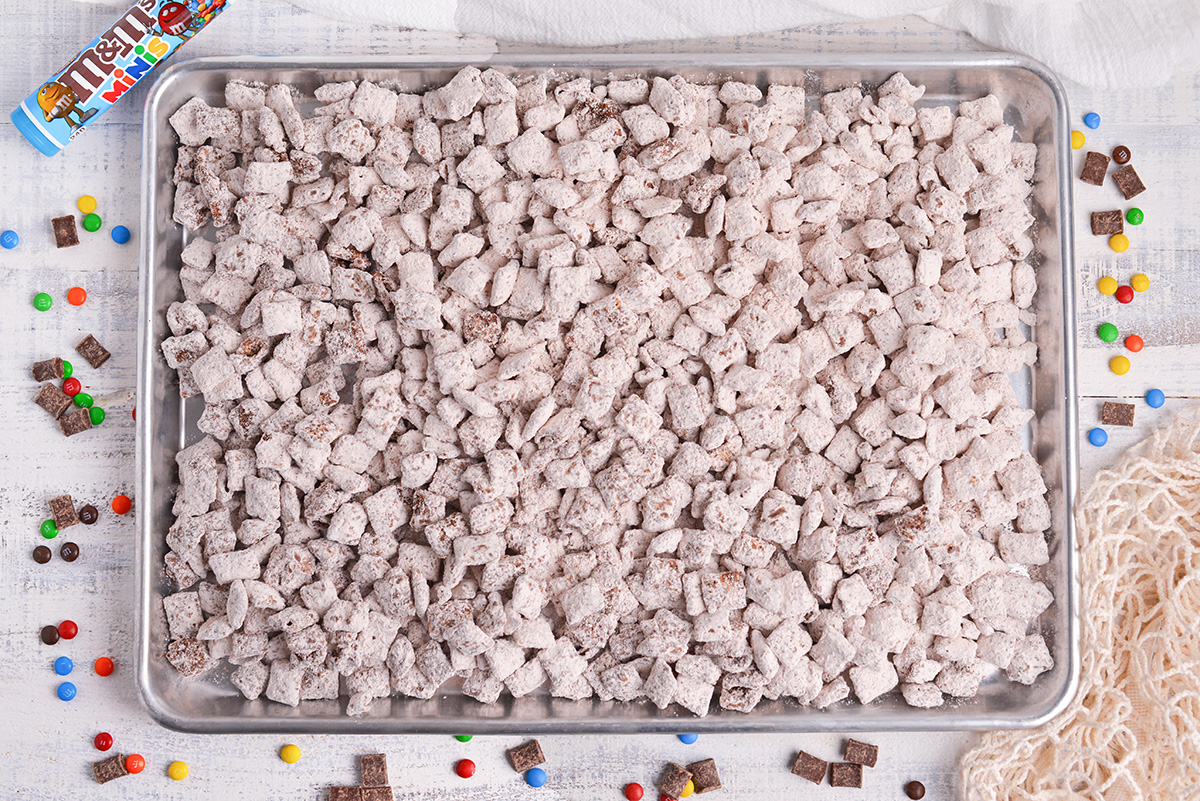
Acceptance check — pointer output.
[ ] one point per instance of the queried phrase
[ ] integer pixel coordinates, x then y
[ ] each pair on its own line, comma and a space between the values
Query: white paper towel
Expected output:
1098, 43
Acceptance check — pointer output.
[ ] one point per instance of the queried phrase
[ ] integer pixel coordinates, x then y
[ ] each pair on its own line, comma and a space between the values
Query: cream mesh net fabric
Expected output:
1133, 731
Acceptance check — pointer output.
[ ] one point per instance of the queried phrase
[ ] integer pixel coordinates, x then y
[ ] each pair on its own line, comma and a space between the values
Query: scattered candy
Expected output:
120, 234
1106, 223
1155, 398
688, 789
69, 552
103, 741
1091, 120
290, 753
66, 691
177, 770
526, 756
9, 240
65, 234
76, 296
845, 774
1117, 414
63, 666
1128, 182
1119, 365
67, 629
42, 301
1124, 294
1108, 332
92, 222
72, 386
86, 204
68, 369
688, 739
914, 790
104, 666
42, 554
1134, 216
108, 769
373, 769
1121, 154
705, 776
49, 635
135, 763
1119, 242
1140, 282
1078, 140
62, 511
93, 351
49, 530
84, 400
634, 792
97, 414
1098, 437
463, 738
1134, 343
1095, 167
535, 777
465, 768
121, 504
1107, 285
88, 515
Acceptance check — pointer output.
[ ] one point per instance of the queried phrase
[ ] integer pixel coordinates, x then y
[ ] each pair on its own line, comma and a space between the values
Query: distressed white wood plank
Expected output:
46, 744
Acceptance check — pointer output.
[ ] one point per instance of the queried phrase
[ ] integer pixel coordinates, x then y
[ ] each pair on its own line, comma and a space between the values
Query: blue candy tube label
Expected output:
148, 33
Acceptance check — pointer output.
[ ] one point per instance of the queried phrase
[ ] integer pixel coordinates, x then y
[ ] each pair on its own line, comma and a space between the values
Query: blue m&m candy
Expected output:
1091, 119
688, 739
9, 240
1155, 398
535, 777
63, 665
1098, 437
66, 691
120, 235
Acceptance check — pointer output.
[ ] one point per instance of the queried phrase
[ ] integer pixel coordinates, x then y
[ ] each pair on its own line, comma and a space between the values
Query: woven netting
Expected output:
1133, 730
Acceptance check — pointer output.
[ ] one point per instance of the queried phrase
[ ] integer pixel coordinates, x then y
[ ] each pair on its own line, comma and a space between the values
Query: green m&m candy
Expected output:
42, 301
1134, 216
97, 415
91, 222
83, 400
1107, 331
68, 370
49, 529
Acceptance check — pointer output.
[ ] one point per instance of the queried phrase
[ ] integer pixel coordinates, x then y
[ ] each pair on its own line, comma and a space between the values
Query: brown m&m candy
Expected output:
914, 790
88, 515
50, 634
42, 554
69, 551
1121, 154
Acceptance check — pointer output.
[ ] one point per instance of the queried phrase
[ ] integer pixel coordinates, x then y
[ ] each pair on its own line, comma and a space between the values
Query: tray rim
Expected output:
808, 720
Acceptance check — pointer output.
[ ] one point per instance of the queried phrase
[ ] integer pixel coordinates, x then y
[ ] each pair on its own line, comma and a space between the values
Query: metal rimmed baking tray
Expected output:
1035, 105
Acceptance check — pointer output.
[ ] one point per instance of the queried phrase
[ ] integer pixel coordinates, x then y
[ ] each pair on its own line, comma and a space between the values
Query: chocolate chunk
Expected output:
88, 515
65, 235
1106, 223
673, 780
526, 756
377, 794
374, 769
62, 509
53, 400
845, 774
1128, 182
914, 790
345, 794
190, 657
108, 769
48, 370
75, 422
42, 554
69, 551
705, 776
809, 767
1116, 414
1094, 168
862, 753
1121, 154
93, 351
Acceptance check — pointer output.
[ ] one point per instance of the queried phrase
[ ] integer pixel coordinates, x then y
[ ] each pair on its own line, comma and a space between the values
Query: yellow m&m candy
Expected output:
1107, 285
1119, 242
1140, 282
1077, 139
178, 771
290, 754
1119, 365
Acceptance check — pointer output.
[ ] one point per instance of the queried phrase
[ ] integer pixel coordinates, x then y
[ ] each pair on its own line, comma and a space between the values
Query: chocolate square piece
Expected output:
345, 794
48, 370
1094, 168
862, 753
374, 769
108, 769
93, 351
1107, 223
53, 400
74, 423
377, 794
845, 774
526, 756
1117, 414
809, 767
673, 780
1128, 182
65, 234
705, 776
63, 511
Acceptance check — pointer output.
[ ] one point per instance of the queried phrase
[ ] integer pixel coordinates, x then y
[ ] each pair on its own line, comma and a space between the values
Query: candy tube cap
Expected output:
30, 130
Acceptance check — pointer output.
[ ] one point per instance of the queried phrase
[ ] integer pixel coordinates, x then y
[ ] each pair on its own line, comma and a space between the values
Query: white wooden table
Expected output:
46, 745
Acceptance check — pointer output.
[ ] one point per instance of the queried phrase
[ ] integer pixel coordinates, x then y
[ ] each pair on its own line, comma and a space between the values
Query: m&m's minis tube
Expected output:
147, 34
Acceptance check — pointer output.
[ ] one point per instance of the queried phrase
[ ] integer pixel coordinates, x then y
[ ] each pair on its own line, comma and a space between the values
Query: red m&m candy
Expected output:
465, 768
103, 741
1134, 343
634, 791
104, 666
72, 386
1124, 294
121, 504
67, 629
